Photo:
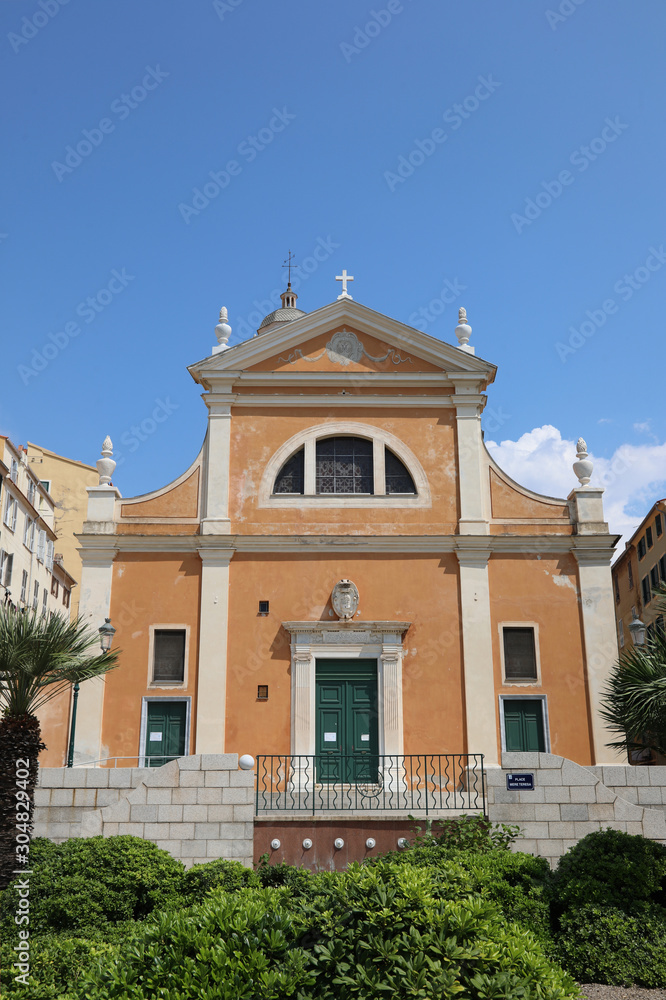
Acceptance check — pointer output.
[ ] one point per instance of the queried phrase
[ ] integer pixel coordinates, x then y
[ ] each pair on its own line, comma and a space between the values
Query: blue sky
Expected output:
515, 151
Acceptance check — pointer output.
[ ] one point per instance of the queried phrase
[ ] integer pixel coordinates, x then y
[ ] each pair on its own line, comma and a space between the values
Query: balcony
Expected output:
428, 785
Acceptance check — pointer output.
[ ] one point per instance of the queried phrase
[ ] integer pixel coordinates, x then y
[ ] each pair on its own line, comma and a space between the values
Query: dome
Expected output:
285, 314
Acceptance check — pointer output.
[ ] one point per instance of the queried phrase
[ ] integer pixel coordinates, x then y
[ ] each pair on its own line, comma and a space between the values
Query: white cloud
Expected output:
633, 478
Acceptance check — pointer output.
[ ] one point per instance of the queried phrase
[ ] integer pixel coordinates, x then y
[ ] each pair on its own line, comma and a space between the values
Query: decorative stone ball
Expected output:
246, 762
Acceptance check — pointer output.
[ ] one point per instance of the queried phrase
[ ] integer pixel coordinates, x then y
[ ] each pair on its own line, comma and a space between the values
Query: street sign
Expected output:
520, 782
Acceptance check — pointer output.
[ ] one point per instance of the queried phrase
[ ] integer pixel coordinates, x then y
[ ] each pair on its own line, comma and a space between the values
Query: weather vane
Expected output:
288, 264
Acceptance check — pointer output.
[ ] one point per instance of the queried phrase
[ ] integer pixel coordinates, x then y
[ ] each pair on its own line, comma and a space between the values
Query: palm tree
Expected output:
634, 702
39, 658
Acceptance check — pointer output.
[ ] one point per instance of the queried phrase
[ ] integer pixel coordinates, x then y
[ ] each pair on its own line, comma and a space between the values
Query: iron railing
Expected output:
415, 783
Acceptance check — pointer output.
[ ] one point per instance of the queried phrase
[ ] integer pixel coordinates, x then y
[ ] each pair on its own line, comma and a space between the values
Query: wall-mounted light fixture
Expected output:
275, 844
262, 692
638, 630
264, 607
370, 843
338, 843
307, 844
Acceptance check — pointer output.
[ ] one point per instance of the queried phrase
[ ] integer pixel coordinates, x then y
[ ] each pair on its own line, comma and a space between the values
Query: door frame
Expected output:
525, 697
380, 641
143, 731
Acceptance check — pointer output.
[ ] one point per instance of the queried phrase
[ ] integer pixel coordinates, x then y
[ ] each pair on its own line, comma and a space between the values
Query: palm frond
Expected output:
40, 657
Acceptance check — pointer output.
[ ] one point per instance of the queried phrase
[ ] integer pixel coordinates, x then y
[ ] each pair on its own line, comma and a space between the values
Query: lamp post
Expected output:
106, 634
638, 630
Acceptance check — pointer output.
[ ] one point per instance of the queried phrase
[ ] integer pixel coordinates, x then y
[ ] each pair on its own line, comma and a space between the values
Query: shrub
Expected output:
473, 833
86, 883
602, 944
611, 868
236, 946
58, 962
231, 876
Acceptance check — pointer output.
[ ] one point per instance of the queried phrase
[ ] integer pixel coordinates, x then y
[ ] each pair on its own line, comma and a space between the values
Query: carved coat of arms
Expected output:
345, 600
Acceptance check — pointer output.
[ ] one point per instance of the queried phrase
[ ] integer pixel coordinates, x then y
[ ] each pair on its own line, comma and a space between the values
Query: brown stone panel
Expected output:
543, 590
422, 589
322, 831
181, 501
510, 502
302, 358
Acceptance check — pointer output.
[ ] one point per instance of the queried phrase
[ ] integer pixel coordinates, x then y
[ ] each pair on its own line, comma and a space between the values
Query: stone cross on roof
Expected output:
344, 278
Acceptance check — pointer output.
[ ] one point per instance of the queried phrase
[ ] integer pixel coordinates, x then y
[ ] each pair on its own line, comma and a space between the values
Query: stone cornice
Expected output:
350, 629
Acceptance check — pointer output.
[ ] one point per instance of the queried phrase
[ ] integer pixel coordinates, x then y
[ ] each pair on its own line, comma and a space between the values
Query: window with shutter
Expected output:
519, 654
169, 655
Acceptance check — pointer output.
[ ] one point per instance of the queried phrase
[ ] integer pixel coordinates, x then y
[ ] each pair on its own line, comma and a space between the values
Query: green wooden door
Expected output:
165, 731
347, 732
523, 724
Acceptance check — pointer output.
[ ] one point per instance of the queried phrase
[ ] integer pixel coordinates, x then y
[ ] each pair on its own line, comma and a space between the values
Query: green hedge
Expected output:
601, 944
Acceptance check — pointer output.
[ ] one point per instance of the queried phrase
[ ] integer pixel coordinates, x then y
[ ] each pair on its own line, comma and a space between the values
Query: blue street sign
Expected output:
520, 782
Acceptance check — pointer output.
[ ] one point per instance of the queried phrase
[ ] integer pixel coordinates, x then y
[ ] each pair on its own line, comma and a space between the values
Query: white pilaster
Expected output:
598, 613
94, 607
303, 696
218, 455
213, 650
473, 488
478, 655
391, 696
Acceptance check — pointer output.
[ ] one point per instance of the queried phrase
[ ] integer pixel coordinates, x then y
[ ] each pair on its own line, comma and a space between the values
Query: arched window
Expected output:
343, 465
290, 478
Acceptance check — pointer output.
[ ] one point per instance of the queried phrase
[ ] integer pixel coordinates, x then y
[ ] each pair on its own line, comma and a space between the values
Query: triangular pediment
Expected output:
344, 337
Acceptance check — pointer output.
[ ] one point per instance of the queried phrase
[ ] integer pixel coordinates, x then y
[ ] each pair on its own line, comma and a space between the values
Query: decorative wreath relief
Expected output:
343, 347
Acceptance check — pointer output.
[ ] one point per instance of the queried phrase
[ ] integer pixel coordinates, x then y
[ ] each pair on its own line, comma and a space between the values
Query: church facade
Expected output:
344, 569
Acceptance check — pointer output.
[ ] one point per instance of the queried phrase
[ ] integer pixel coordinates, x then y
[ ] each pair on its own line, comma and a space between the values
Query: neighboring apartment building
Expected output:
344, 569
640, 568
66, 481
33, 572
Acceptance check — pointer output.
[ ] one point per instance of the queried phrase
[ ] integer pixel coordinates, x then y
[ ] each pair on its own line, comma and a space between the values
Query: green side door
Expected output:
165, 732
523, 724
347, 731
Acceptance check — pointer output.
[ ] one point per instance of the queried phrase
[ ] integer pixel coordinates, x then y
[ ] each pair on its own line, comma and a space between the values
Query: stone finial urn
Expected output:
584, 465
106, 464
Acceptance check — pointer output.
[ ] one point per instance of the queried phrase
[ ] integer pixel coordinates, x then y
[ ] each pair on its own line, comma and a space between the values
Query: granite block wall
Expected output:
197, 808
569, 801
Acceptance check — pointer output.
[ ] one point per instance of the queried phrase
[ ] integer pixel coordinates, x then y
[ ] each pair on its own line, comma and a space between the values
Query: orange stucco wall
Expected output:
509, 502
542, 590
148, 589
421, 589
257, 433
54, 720
301, 358
180, 501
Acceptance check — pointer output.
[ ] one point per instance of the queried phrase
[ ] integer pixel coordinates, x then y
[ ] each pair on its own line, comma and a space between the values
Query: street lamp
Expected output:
638, 630
106, 634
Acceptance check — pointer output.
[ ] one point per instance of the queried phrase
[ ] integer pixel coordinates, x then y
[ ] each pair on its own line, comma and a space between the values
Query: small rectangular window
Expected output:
658, 525
169, 655
24, 587
54, 586
648, 537
617, 589
6, 565
35, 596
65, 596
519, 654
630, 571
45, 598
641, 548
620, 632
662, 569
654, 575
13, 474
645, 587
263, 607
31, 492
262, 692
